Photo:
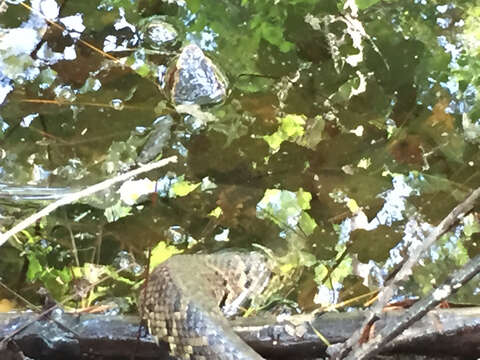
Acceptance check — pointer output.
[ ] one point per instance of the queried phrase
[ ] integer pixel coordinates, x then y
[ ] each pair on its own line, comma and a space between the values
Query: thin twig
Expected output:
141, 307
61, 28
75, 196
72, 240
416, 312
17, 295
353, 343
46, 312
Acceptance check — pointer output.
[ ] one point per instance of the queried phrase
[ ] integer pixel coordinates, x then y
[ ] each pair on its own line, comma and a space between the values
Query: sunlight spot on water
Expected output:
74, 23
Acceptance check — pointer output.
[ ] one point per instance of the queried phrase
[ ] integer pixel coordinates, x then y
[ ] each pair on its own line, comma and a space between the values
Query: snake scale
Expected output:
189, 297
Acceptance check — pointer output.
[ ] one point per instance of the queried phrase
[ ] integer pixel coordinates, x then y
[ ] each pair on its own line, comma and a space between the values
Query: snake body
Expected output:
188, 298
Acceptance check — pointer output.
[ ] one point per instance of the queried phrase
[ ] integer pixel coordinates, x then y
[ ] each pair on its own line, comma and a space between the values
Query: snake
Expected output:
189, 299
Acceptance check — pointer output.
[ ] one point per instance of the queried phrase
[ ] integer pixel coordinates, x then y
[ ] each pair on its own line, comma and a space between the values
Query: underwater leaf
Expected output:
374, 244
194, 5
291, 128
307, 259
274, 140
293, 125
313, 134
307, 224
217, 212
117, 211
143, 70
364, 4
274, 35
471, 225
304, 198
183, 188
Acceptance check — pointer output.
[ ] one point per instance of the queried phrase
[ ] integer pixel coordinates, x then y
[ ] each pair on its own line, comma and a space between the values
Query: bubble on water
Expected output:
117, 104
158, 34
126, 261
20, 79
65, 94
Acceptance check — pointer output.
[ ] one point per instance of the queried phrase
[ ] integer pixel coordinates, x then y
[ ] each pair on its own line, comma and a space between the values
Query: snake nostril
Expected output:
223, 301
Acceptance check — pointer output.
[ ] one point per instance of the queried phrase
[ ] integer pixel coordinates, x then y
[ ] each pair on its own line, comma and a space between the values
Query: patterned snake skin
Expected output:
188, 297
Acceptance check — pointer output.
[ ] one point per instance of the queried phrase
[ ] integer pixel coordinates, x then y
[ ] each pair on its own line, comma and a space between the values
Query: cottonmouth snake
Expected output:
188, 297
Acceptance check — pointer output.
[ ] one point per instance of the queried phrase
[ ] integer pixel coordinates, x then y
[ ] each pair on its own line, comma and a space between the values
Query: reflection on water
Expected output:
17, 193
338, 140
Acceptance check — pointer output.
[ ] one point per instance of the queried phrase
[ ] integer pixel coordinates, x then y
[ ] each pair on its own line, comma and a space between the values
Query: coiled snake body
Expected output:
188, 298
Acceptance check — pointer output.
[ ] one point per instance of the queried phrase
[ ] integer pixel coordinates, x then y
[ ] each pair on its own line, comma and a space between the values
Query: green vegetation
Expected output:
351, 128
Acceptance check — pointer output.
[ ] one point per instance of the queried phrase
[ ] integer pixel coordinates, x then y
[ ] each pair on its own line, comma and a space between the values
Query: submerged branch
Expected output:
448, 332
75, 196
353, 344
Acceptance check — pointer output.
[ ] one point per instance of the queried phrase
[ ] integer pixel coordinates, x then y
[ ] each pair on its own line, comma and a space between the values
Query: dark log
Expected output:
450, 332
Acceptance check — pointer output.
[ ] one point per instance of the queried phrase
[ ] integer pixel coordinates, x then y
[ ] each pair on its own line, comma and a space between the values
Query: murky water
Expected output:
332, 121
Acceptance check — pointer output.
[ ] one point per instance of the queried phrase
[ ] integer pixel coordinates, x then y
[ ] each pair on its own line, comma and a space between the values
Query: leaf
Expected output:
274, 35
216, 212
471, 130
287, 208
353, 287
365, 4
374, 244
307, 259
194, 5
143, 70
321, 272
34, 268
291, 128
292, 125
471, 225
56, 281
313, 133
304, 198
183, 188
307, 224
47, 76
432, 184
90, 272
117, 211
125, 4
274, 140
162, 252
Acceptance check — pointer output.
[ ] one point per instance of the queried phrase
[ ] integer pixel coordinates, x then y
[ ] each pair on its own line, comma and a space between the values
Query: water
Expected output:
353, 121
